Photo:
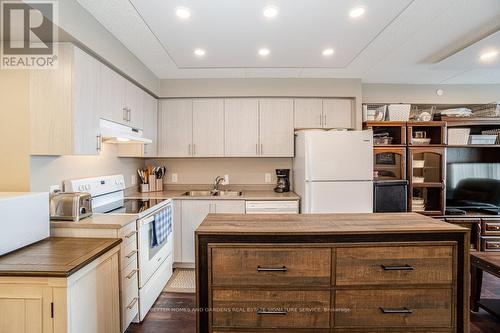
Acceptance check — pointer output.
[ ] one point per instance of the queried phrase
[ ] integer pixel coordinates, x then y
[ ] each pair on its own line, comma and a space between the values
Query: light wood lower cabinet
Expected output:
127, 264
86, 301
359, 287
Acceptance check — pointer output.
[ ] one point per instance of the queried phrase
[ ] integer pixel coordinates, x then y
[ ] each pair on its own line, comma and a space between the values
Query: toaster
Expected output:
70, 206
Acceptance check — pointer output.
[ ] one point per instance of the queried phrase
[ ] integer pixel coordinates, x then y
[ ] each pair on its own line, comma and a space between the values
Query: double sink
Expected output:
204, 193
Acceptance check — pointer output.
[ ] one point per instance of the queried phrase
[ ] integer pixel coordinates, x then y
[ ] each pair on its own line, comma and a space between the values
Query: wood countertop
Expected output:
323, 224
55, 256
98, 221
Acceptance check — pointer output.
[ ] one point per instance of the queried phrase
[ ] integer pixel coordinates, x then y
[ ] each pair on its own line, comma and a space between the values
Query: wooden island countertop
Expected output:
322, 224
55, 256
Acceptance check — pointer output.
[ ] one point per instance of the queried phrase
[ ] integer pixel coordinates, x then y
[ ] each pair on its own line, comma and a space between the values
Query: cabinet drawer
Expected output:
128, 231
490, 243
394, 308
270, 266
491, 227
389, 265
129, 293
271, 309
129, 274
128, 254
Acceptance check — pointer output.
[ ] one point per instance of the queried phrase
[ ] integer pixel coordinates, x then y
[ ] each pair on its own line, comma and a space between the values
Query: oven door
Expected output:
152, 257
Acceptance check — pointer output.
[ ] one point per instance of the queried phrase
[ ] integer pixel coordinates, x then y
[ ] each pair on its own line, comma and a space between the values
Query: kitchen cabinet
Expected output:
208, 128
323, 113
193, 212
113, 96
175, 128
308, 113
150, 128
133, 103
241, 127
276, 127
338, 113
64, 105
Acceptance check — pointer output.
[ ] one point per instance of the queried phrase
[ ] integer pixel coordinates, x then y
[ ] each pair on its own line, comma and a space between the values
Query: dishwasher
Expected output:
272, 207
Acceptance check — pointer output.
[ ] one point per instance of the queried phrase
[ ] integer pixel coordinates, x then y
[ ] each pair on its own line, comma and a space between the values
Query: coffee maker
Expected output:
283, 183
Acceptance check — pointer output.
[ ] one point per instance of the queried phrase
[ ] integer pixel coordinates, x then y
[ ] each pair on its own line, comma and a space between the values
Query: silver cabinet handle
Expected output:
189, 150
125, 111
395, 310
99, 147
272, 269
130, 234
131, 274
129, 114
397, 268
194, 149
261, 149
131, 305
325, 121
257, 149
131, 254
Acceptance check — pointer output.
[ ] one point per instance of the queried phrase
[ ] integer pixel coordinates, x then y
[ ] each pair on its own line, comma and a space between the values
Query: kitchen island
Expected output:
331, 273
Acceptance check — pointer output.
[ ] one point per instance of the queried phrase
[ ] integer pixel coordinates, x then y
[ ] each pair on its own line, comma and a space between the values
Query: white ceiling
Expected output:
396, 41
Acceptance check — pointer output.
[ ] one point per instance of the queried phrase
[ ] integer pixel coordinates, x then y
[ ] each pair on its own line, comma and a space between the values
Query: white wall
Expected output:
82, 26
424, 93
241, 171
52, 170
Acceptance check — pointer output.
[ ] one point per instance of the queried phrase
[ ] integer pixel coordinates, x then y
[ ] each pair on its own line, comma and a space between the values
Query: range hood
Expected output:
112, 132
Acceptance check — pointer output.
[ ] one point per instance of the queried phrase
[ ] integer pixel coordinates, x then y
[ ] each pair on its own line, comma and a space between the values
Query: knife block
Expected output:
154, 185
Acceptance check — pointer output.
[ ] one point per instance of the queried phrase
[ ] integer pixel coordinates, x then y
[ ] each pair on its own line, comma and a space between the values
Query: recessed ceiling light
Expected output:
357, 12
199, 52
328, 52
488, 56
264, 52
270, 11
183, 13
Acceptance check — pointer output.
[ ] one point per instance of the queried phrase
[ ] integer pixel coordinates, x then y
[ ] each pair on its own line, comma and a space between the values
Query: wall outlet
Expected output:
54, 188
267, 177
174, 178
133, 179
226, 179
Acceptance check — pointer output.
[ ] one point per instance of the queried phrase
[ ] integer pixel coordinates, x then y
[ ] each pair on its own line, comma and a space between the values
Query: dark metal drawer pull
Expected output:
272, 269
397, 268
273, 312
395, 310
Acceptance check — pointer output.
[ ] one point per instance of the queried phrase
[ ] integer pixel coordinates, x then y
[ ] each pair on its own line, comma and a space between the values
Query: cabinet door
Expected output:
337, 113
193, 212
133, 101
150, 130
308, 113
241, 127
229, 206
208, 127
276, 127
86, 103
112, 96
25, 308
175, 128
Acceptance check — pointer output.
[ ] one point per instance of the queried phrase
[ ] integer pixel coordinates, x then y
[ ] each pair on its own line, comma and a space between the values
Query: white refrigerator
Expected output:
333, 171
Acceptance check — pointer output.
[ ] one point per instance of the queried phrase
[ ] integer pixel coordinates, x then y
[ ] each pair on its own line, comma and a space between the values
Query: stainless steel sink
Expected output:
225, 193
198, 194
229, 193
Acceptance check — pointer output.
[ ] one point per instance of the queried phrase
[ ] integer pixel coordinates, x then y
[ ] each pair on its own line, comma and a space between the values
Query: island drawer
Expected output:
394, 265
394, 308
277, 266
491, 227
271, 308
489, 243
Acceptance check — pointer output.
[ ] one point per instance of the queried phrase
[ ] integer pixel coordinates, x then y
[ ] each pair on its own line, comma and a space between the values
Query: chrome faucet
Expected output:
217, 182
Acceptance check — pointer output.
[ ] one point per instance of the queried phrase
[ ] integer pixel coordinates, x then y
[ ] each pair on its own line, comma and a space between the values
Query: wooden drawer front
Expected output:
128, 254
428, 307
491, 227
273, 266
391, 265
271, 309
129, 293
127, 231
490, 243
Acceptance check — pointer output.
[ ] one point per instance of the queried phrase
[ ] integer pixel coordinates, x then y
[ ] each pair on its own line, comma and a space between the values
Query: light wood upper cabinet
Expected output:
133, 103
113, 96
338, 113
65, 105
208, 128
175, 128
308, 113
241, 127
276, 127
150, 130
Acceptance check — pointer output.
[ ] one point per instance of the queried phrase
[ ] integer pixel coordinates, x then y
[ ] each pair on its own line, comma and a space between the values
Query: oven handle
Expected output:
151, 217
